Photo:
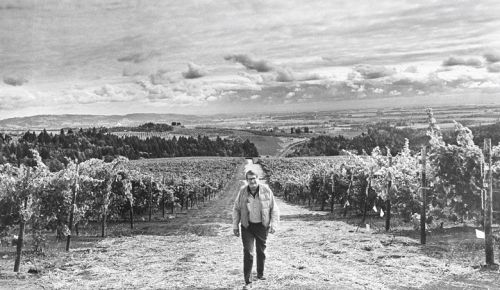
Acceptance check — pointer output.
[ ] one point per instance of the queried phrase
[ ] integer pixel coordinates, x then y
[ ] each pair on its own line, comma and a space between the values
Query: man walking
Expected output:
258, 213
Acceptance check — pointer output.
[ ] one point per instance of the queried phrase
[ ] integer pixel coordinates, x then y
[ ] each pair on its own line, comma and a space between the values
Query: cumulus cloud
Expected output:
256, 78
255, 97
138, 57
17, 97
373, 72
132, 72
411, 69
182, 93
250, 63
494, 67
394, 93
10, 6
287, 75
159, 77
110, 93
194, 71
156, 92
212, 98
453, 60
492, 56
105, 94
14, 80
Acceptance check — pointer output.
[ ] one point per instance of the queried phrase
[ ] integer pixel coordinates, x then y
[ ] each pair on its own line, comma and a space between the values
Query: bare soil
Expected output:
311, 250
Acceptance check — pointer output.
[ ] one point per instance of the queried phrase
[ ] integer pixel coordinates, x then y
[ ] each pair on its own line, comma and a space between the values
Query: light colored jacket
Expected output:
269, 209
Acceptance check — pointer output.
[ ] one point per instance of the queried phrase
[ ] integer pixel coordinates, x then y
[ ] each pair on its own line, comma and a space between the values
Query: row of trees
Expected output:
385, 135
34, 198
148, 127
98, 143
393, 183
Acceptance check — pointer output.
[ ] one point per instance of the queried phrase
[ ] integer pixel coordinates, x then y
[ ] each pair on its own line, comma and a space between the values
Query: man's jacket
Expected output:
269, 208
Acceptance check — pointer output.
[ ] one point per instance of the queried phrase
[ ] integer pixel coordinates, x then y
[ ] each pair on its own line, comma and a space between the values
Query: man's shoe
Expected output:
261, 277
247, 286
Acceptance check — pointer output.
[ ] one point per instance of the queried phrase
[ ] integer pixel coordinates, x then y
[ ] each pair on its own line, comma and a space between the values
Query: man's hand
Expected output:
236, 232
272, 230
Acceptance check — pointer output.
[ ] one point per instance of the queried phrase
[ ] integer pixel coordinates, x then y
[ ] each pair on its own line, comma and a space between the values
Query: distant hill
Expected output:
87, 121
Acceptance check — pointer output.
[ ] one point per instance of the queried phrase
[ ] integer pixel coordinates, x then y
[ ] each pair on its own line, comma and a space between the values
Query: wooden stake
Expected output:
388, 201
22, 224
488, 210
424, 197
72, 210
333, 193
163, 197
150, 197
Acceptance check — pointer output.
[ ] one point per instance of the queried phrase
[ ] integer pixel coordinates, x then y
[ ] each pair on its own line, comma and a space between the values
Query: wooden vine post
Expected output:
131, 203
150, 201
323, 192
163, 197
72, 210
367, 192
22, 224
488, 201
424, 197
333, 193
349, 189
388, 201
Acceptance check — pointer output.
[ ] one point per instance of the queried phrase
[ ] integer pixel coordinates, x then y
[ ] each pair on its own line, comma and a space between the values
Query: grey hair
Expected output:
250, 172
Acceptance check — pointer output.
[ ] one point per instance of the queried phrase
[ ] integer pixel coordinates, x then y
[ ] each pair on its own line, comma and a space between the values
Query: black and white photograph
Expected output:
230, 144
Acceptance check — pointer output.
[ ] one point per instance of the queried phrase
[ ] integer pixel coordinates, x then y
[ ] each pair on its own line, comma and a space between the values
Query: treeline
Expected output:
385, 135
55, 149
147, 127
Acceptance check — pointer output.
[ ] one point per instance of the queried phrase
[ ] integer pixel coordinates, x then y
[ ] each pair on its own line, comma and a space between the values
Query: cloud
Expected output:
373, 72
287, 75
11, 7
194, 71
110, 93
212, 99
452, 61
183, 93
256, 78
155, 91
105, 94
159, 77
17, 97
255, 97
138, 57
494, 67
14, 80
411, 69
394, 93
131, 72
492, 56
250, 63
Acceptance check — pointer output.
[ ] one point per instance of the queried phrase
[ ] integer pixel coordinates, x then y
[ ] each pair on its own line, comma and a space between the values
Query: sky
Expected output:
229, 56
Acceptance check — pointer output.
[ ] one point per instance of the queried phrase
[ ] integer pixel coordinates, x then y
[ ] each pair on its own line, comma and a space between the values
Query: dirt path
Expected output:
290, 147
309, 251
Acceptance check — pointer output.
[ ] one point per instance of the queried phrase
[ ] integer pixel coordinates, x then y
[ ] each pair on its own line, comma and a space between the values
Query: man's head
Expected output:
252, 179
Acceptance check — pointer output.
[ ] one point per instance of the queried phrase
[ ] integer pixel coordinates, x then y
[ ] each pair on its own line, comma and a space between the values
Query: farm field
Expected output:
311, 250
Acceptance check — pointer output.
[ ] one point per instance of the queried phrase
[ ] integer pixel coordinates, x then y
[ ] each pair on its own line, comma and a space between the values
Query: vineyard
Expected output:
38, 202
330, 236
441, 183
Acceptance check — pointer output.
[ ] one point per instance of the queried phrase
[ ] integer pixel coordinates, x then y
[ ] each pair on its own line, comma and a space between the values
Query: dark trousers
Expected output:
255, 233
